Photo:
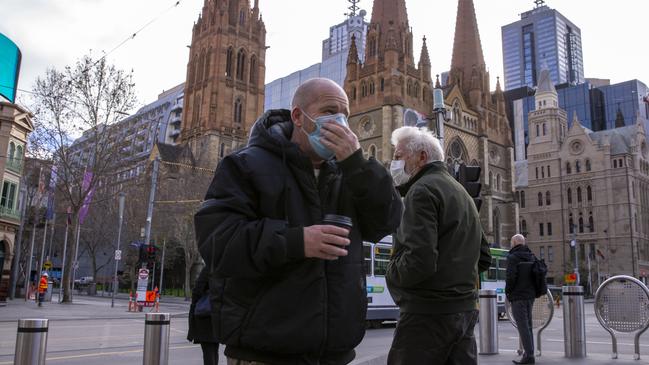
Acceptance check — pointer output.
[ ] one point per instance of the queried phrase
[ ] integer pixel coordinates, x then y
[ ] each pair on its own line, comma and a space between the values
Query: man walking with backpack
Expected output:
521, 291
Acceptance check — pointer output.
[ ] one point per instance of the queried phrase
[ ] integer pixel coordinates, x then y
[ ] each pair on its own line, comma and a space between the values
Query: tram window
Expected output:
381, 259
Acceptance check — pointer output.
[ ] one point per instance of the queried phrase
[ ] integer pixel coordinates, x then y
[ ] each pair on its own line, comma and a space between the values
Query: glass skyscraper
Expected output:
542, 36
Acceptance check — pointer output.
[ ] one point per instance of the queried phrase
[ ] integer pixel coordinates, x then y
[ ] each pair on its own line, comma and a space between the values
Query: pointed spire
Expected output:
619, 118
545, 84
437, 83
352, 57
575, 119
424, 58
467, 49
390, 12
498, 88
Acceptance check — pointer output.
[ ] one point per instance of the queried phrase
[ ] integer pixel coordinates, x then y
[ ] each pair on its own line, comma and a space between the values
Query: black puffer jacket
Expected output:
200, 328
271, 303
520, 284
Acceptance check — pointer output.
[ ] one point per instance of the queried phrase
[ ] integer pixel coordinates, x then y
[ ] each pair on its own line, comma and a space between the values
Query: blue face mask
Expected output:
314, 137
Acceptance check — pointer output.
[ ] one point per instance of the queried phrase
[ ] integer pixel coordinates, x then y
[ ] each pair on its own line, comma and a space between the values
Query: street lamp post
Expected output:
118, 253
440, 112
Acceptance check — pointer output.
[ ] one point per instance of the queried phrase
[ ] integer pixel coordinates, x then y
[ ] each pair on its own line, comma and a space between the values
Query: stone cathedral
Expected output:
390, 90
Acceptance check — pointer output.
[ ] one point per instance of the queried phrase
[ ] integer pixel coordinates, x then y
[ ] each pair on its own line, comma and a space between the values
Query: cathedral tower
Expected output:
224, 92
389, 90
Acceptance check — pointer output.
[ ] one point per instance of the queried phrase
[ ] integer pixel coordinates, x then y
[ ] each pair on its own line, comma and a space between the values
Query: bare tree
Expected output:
89, 96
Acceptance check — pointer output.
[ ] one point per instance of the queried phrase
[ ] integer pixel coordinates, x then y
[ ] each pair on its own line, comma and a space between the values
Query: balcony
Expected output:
176, 119
15, 165
6, 213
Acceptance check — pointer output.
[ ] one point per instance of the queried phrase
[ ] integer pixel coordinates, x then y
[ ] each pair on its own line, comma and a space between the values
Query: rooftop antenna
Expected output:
539, 3
353, 8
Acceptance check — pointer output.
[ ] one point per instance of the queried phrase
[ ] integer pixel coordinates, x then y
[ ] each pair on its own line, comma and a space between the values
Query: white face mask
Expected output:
398, 172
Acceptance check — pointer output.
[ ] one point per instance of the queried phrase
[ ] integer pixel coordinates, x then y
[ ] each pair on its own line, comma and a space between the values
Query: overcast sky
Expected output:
54, 33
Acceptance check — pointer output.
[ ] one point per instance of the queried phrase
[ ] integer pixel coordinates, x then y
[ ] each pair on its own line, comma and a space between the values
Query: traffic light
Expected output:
151, 250
469, 177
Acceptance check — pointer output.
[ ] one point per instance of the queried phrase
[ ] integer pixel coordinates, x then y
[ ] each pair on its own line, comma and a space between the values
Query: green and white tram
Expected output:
495, 277
380, 306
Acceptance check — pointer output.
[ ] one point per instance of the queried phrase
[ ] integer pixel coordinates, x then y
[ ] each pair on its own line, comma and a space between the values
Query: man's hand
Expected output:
325, 242
340, 139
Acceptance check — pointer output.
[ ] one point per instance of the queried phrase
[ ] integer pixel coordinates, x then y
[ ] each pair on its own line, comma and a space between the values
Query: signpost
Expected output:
142, 284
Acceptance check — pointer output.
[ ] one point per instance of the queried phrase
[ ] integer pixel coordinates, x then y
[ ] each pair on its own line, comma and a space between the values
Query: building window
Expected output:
579, 194
615, 164
538, 129
373, 151
222, 150
589, 193
537, 172
242, 17
491, 179
540, 196
591, 223
549, 175
568, 169
382, 84
238, 111
549, 229
522, 199
8, 195
581, 224
228, 62
541, 229
524, 227
548, 201
543, 172
371, 87
498, 187
241, 64
542, 252
577, 166
550, 254
571, 224
621, 163
544, 129
569, 196
588, 167
253, 70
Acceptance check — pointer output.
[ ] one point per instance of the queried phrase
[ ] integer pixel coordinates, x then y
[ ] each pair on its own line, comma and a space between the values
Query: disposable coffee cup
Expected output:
338, 221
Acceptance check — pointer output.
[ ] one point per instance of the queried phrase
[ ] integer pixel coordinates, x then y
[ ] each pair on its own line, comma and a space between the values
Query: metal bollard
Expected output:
574, 325
31, 342
156, 339
488, 322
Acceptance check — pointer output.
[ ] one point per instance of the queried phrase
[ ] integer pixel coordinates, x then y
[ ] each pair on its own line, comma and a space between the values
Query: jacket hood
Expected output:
272, 132
523, 252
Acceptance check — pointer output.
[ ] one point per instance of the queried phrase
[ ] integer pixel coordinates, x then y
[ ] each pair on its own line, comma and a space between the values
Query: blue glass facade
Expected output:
596, 107
627, 98
543, 37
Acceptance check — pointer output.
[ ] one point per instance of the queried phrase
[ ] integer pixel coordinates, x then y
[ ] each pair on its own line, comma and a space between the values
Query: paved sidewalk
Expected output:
85, 307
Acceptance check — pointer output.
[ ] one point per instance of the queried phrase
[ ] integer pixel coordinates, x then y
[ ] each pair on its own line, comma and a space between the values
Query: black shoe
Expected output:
525, 360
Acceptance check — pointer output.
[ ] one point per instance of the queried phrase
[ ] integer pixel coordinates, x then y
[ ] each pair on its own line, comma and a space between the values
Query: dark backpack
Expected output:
539, 274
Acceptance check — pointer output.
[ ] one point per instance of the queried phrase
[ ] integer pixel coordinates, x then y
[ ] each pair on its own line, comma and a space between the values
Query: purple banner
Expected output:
49, 214
83, 212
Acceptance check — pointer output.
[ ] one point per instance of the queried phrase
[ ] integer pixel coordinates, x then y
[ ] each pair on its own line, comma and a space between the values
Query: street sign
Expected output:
142, 284
143, 274
47, 265
118, 255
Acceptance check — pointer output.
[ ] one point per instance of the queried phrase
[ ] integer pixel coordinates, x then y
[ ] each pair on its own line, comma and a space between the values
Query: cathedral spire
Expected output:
352, 57
424, 58
390, 12
467, 49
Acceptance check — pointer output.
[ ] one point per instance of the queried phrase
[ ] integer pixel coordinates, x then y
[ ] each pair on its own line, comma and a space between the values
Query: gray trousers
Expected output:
522, 311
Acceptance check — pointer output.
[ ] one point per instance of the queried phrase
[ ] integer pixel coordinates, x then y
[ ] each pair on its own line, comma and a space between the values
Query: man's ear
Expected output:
296, 116
423, 158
